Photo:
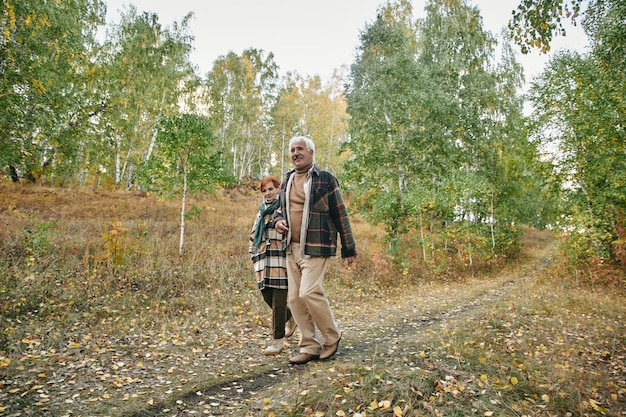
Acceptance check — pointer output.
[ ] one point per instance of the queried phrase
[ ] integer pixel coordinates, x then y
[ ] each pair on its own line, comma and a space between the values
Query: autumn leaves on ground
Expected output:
100, 316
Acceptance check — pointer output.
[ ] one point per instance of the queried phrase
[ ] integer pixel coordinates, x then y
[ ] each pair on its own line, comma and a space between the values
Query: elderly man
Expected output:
313, 212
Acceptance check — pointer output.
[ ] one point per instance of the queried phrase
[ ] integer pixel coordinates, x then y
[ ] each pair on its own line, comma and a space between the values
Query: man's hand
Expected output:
281, 226
350, 259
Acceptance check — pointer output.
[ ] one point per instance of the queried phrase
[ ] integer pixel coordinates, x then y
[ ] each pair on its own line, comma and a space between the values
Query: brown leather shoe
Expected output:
328, 351
302, 358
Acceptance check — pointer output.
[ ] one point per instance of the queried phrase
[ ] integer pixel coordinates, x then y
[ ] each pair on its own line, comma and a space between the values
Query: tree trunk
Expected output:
182, 211
13, 173
422, 239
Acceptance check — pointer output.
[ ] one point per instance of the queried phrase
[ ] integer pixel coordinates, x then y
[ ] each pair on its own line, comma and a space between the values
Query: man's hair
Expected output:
310, 145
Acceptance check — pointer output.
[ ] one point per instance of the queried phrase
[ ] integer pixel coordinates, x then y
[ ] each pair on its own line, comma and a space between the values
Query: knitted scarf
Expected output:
264, 210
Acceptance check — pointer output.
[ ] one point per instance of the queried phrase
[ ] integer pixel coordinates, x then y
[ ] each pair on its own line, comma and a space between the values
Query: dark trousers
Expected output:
277, 300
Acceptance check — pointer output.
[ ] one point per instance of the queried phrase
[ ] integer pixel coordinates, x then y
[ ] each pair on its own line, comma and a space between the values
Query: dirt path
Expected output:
399, 328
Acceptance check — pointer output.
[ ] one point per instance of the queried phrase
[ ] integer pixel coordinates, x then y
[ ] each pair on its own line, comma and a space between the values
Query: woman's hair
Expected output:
269, 179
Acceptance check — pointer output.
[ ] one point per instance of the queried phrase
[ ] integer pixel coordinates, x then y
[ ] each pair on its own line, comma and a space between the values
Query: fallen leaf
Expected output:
385, 404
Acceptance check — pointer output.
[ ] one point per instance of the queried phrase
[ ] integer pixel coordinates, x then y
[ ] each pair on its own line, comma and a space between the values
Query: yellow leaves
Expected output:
514, 381
38, 86
4, 362
73, 345
10, 11
384, 404
596, 406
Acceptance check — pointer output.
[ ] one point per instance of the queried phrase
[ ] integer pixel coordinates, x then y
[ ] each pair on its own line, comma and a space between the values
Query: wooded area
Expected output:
426, 130
490, 279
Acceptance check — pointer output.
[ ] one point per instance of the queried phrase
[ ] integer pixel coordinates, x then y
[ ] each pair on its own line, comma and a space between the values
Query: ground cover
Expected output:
101, 317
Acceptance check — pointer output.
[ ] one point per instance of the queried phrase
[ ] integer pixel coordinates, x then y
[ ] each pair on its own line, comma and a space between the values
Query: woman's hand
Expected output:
281, 226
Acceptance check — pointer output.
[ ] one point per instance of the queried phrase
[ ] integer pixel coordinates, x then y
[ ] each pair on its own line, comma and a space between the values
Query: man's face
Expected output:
300, 155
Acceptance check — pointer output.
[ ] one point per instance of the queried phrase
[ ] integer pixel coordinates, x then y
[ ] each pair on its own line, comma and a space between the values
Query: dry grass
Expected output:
91, 281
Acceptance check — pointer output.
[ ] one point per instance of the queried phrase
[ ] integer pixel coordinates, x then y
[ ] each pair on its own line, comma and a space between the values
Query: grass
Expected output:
99, 315
541, 350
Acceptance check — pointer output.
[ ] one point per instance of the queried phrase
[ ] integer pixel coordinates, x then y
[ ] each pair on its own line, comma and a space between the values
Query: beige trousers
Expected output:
308, 304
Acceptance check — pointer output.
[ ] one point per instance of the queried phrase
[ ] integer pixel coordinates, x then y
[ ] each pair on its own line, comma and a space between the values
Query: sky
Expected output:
310, 37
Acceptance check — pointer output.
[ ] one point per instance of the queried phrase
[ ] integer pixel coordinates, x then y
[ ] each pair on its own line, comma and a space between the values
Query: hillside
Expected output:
100, 316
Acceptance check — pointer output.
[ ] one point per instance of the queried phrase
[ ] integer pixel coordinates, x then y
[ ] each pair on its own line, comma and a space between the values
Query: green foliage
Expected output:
46, 54
535, 22
184, 155
576, 109
437, 134
241, 90
307, 107
38, 236
146, 71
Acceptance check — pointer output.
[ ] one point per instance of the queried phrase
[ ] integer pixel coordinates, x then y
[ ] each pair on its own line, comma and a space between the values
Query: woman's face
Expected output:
269, 191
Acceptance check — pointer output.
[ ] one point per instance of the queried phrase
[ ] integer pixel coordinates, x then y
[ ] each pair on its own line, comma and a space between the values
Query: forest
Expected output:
120, 166
426, 129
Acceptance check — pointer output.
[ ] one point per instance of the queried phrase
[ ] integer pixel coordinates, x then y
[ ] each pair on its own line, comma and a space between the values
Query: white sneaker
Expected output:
275, 348
290, 327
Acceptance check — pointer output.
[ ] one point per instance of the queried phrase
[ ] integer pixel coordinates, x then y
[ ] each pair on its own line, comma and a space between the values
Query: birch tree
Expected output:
184, 161
46, 52
144, 67
241, 91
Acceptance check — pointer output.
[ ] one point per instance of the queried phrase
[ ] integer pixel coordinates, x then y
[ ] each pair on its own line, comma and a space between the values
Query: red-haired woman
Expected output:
268, 255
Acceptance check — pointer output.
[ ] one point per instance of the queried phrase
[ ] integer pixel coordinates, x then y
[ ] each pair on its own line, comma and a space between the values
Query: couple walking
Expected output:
293, 237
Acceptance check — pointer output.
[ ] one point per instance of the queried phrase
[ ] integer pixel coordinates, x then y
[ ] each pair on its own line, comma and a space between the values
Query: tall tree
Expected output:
184, 161
385, 97
576, 109
241, 91
579, 107
306, 106
45, 57
434, 125
145, 67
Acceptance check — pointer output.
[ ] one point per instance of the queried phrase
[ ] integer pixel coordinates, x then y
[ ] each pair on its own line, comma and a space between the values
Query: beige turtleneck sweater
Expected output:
296, 205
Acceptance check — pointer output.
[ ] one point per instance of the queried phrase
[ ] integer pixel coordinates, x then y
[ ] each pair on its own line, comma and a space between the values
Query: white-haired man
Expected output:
313, 214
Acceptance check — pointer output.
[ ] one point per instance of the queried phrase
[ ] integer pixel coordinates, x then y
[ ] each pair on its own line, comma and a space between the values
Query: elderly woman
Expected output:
268, 255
